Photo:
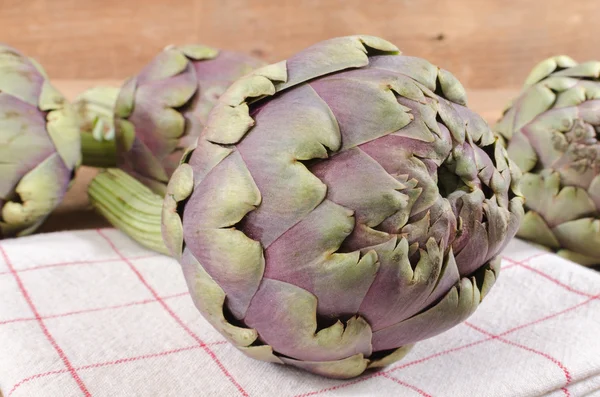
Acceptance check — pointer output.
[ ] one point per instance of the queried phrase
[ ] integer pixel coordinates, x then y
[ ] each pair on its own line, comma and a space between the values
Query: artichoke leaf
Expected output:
332, 56
396, 355
261, 352
548, 67
534, 228
581, 235
40, 192
126, 98
285, 316
456, 306
210, 298
63, 128
340, 369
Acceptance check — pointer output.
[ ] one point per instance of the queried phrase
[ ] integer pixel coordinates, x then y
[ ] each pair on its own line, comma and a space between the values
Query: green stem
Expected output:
98, 153
129, 206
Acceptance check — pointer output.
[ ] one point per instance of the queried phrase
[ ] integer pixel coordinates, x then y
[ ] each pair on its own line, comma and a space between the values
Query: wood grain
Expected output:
76, 212
487, 44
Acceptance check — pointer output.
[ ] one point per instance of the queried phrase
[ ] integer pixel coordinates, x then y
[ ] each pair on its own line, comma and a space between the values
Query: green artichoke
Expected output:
341, 206
162, 110
39, 144
552, 130
95, 108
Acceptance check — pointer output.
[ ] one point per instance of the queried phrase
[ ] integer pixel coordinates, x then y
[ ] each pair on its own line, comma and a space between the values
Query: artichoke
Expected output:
162, 110
95, 108
39, 144
341, 206
551, 131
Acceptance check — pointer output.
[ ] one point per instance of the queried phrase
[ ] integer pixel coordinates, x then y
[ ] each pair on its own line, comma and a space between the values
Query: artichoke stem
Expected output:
129, 206
98, 153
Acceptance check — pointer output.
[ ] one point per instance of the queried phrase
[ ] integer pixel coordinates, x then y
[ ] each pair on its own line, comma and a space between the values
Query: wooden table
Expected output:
76, 213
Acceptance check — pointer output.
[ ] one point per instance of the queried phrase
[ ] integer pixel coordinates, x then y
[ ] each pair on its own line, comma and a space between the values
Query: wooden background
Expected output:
490, 45
485, 43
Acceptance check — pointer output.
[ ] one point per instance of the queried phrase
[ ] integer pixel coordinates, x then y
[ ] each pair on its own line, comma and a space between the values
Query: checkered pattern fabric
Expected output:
91, 313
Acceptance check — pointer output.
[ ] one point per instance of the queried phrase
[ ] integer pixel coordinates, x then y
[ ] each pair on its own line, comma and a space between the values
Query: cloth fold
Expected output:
91, 313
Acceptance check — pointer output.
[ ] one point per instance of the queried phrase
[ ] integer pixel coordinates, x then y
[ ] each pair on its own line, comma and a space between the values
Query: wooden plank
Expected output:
487, 44
76, 213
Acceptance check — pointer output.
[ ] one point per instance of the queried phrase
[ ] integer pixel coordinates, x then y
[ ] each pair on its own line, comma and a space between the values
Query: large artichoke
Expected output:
162, 110
341, 206
552, 132
39, 144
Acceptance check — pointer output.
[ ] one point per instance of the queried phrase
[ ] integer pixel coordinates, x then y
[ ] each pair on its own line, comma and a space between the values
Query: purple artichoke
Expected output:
553, 131
39, 144
341, 206
162, 110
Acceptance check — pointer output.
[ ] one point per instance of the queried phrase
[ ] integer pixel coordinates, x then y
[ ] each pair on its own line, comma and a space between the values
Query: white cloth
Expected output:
91, 313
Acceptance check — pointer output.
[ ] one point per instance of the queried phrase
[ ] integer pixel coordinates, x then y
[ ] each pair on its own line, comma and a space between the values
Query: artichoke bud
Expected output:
342, 222
558, 141
161, 111
34, 177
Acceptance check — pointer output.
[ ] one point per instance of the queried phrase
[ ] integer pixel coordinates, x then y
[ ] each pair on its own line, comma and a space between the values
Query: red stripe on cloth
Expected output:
436, 355
147, 356
402, 383
508, 266
529, 258
362, 379
548, 277
98, 309
554, 360
36, 376
18, 320
212, 355
50, 338
111, 363
514, 263
87, 262
548, 317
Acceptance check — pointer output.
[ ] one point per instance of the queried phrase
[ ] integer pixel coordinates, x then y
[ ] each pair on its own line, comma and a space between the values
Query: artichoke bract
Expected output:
341, 206
39, 144
552, 130
95, 108
162, 110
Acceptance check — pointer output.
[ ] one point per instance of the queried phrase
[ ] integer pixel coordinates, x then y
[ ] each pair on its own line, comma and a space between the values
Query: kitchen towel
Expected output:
91, 313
